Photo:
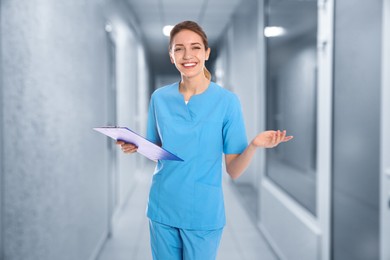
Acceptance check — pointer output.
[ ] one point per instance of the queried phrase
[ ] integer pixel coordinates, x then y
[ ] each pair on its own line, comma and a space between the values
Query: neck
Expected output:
193, 86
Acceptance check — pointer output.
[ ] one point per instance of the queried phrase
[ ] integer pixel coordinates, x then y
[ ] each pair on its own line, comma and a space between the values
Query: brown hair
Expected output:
192, 26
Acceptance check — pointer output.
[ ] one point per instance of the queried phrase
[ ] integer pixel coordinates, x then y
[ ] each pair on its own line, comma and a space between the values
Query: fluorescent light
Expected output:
274, 31
167, 30
108, 27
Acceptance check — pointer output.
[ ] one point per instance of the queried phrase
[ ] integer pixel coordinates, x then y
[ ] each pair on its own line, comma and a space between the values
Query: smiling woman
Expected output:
199, 121
189, 39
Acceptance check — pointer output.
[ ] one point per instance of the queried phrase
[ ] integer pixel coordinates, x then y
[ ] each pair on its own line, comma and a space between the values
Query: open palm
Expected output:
270, 139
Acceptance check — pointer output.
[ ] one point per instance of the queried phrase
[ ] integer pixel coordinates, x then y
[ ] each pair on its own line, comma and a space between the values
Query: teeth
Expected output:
189, 64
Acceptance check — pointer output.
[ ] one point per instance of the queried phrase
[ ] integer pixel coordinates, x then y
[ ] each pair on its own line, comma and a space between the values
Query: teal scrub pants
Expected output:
180, 244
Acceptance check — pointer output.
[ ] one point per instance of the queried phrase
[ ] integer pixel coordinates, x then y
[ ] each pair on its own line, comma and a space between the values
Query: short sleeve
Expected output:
234, 134
152, 126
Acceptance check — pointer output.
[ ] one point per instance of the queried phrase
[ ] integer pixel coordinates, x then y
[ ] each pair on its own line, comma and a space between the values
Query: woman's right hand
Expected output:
127, 147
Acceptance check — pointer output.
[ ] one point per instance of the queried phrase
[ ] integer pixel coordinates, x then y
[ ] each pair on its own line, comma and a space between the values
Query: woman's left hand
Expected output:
270, 139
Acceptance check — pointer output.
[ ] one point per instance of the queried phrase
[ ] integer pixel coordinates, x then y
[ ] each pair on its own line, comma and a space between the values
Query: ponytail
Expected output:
207, 73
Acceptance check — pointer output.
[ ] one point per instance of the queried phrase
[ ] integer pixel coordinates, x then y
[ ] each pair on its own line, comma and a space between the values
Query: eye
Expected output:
196, 48
178, 49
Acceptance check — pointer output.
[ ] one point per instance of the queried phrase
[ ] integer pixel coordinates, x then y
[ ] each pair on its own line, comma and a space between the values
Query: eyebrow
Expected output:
194, 43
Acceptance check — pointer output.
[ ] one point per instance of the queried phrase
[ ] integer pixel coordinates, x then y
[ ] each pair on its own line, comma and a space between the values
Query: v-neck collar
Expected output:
177, 89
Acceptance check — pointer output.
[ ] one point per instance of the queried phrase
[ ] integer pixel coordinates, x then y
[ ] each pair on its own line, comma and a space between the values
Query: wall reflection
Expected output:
291, 31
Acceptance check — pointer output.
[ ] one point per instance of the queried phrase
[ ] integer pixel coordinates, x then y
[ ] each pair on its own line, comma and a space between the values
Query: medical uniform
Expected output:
188, 195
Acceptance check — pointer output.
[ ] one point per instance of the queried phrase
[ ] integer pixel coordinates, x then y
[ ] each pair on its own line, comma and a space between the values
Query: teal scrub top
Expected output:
189, 194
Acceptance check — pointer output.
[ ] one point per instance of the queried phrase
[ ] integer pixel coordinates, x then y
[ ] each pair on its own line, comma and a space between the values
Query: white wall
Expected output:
239, 69
126, 81
54, 73
162, 80
53, 59
143, 90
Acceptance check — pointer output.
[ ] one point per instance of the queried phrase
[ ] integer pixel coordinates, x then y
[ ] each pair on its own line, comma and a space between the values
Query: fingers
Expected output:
281, 136
274, 138
127, 147
278, 137
284, 137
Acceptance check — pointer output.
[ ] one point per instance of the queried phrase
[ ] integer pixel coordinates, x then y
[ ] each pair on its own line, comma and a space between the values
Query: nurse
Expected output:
200, 122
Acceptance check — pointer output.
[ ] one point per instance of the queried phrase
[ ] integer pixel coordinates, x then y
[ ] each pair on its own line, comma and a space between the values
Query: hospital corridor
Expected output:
319, 69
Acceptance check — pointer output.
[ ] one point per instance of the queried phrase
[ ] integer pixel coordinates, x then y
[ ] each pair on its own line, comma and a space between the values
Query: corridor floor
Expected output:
241, 239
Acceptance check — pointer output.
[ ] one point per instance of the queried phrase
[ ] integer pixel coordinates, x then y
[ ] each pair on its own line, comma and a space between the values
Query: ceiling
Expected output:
153, 15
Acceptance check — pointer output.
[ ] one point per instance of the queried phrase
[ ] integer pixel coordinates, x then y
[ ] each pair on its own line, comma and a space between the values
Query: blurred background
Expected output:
319, 69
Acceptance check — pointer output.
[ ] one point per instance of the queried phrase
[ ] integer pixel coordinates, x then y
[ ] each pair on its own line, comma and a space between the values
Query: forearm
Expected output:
236, 165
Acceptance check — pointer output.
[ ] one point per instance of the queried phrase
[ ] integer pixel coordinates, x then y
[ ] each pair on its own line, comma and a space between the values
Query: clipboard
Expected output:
145, 147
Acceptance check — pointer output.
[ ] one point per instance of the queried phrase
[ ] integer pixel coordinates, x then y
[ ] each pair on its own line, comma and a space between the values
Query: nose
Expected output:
187, 54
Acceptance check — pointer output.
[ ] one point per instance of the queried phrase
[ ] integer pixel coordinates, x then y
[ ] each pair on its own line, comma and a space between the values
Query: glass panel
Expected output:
291, 47
356, 130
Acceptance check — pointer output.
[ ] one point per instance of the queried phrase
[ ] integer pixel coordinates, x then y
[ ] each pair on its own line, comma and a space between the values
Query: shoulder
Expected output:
225, 94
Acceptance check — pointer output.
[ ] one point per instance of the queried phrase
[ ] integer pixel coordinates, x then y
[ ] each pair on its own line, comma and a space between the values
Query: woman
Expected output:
199, 121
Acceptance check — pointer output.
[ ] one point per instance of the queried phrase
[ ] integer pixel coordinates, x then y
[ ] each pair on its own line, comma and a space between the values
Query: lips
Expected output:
189, 64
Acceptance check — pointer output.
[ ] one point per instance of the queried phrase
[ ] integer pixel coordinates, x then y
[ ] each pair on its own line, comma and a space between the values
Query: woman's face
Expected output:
188, 53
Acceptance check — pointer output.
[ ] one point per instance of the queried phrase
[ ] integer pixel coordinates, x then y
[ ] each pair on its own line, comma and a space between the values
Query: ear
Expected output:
208, 53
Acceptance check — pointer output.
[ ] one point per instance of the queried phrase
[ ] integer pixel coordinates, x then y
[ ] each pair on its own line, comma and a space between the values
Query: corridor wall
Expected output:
53, 74
244, 80
237, 66
344, 220
54, 78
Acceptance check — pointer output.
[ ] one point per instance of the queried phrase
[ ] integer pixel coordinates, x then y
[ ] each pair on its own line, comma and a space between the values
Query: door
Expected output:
385, 139
295, 200
1, 155
356, 158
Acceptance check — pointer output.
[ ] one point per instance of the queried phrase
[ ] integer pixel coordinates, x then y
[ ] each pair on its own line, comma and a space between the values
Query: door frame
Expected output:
1, 150
1, 171
279, 213
385, 139
325, 123
112, 163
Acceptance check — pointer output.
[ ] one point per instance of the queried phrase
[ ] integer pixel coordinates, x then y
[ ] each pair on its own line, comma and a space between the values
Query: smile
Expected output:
189, 65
